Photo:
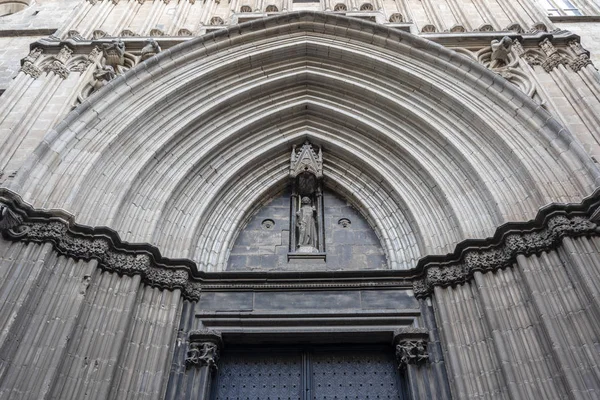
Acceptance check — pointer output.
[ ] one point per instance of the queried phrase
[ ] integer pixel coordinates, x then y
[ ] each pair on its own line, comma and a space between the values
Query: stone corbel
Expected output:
411, 346
204, 349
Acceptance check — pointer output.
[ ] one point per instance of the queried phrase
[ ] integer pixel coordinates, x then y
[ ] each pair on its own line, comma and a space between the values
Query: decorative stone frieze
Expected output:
503, 254
20, 222
553, 57
100, 244
204, 349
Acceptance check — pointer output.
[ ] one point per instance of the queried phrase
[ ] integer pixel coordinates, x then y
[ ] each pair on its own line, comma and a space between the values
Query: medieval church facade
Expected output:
299, 199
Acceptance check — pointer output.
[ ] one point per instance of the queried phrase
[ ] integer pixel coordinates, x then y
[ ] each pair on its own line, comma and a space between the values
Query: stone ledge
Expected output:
21, 222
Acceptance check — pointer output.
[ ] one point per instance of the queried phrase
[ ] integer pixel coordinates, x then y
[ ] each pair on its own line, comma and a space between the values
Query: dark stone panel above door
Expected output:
263, 244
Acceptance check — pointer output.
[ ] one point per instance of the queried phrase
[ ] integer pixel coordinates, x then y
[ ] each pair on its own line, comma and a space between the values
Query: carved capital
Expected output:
31, 70
204, 349
411, 352
582, 61
58, 68
27, 64
553, 61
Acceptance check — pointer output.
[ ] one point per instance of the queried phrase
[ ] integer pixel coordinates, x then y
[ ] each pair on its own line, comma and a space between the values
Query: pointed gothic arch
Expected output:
432, 147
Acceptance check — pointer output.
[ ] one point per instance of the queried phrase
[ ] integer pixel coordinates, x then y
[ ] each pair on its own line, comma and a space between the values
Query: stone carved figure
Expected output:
102, 76
151, 48
202, 354
307, 227
114, 53
411, 352
500, 51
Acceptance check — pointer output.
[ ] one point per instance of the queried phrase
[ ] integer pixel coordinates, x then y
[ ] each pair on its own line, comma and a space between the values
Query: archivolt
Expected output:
430, 146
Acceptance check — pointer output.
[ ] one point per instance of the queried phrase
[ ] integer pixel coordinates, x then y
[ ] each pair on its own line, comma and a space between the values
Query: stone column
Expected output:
201, 361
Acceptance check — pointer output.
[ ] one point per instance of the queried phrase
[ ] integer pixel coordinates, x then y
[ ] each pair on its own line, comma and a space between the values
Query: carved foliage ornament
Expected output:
57, 63
550, 57
199, 354
98, 246
411, 352
503, 255
20, 222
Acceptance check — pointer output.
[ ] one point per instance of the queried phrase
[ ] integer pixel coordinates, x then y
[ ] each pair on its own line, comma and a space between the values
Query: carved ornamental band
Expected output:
21, 222
503, 254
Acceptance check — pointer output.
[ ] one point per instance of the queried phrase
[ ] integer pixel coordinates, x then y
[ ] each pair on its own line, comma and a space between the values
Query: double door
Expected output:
317, 373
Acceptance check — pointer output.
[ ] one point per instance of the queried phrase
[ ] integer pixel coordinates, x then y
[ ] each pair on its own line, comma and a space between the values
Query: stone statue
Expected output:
102, 76
500, 52
307, 227
114, 53
151, 48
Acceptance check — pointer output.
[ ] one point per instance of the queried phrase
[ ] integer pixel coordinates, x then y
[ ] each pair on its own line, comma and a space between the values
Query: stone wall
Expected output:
72, 331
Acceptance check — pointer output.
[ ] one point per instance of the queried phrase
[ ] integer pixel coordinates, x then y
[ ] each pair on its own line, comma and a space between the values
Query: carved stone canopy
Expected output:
306, 160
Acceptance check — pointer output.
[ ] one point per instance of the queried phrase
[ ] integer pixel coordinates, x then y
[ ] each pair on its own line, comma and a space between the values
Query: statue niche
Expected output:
306, 173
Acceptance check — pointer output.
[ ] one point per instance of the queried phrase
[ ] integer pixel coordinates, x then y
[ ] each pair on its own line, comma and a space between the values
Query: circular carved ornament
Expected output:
268, 224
